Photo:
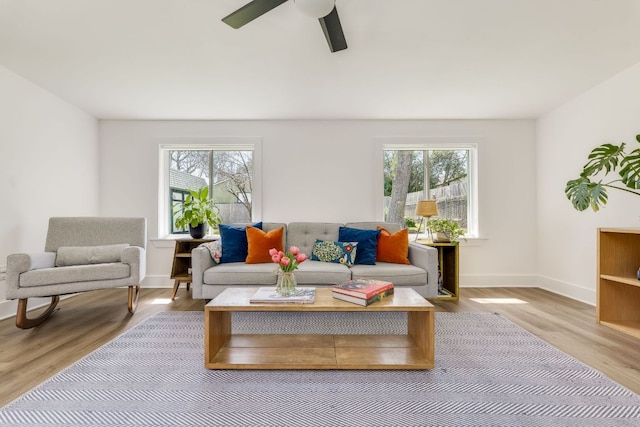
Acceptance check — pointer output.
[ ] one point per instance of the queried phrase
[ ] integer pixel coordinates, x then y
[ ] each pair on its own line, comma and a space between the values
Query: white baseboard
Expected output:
570, 290
8, 308
157, 281
588, 296
498, 280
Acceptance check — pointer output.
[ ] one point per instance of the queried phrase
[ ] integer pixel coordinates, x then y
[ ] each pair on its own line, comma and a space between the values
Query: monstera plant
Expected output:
590, 190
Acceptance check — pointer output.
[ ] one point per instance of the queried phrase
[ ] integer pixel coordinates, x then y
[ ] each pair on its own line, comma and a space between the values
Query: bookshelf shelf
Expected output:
181, 268
618, 300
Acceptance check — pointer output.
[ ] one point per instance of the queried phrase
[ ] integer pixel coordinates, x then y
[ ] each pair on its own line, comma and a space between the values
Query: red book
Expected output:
362, 301
362, 288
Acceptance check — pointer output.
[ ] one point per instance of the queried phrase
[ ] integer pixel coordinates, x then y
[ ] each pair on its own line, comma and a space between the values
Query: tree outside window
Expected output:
426, 174
228, 174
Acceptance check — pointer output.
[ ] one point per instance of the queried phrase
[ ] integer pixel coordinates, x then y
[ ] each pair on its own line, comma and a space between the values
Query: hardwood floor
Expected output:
87, 321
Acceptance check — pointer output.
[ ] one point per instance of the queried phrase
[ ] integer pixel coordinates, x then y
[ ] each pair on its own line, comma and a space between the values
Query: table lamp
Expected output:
426, 209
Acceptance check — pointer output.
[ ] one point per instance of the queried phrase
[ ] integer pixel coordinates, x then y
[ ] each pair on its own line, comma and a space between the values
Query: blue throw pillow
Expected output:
367, 243
338, 252
234, 242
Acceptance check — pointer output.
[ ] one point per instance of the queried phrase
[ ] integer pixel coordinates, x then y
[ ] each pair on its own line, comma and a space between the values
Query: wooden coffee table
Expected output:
415, 350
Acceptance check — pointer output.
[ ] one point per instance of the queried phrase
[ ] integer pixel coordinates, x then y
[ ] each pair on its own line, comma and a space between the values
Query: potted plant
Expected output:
445, 230
197, 211
585, 192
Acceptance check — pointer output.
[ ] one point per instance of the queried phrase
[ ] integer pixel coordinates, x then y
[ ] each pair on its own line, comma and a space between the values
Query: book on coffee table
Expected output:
269, 295
362, 288
363, 301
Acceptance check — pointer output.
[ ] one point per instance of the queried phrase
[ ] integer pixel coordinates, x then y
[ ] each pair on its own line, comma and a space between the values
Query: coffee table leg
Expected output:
217, 331
420, 327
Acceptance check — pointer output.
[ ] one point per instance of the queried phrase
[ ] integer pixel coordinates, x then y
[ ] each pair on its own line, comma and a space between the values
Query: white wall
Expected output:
610, 112
49, 156
324, 171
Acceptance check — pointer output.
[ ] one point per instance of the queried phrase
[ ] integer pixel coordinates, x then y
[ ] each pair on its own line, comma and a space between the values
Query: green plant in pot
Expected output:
445, 230
196, 211
589, 190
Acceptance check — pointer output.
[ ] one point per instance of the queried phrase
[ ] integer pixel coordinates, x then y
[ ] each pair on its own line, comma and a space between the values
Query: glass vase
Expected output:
286, 284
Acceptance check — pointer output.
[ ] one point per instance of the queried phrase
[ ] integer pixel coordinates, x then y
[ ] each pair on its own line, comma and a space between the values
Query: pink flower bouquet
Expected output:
288, 261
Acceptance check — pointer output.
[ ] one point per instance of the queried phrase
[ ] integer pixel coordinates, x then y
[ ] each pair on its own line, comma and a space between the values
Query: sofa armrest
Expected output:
135, 256
201, 261
21, 263
425, 257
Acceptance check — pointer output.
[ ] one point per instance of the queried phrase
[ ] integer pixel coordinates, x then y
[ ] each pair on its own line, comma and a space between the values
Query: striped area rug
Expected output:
489, 372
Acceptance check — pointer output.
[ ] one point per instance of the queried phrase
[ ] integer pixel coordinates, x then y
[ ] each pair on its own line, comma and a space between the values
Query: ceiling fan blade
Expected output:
333, 31
250, 11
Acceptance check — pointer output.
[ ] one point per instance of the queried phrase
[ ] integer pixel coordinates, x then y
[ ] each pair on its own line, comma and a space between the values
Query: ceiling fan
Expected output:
324, 10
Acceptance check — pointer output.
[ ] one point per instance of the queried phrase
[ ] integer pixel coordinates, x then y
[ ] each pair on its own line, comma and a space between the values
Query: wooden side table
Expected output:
448, 266
181, 268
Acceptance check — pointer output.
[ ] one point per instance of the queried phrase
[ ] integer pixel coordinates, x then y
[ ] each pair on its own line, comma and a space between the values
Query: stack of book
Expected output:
362, 291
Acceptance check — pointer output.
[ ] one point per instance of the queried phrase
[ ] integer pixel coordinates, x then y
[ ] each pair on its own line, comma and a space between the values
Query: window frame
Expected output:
205, 144
432, 143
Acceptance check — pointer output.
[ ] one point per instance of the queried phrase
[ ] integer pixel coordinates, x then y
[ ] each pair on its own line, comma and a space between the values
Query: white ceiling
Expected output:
407, 59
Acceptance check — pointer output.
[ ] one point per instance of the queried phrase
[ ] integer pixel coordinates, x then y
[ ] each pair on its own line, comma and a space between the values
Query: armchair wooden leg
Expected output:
23, 322
134, 293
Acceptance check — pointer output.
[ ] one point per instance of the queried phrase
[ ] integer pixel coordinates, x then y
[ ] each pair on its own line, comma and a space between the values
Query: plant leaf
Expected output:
630, 171
604, 157
585, 194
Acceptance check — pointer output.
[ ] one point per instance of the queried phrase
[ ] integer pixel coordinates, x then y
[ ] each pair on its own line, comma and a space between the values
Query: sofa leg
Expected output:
23, 322
134, 293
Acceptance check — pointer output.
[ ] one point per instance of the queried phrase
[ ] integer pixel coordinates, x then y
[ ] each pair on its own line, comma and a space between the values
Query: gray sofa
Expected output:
209, 278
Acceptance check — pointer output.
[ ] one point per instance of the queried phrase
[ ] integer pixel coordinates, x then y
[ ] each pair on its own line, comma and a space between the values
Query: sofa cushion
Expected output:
260, 242
394, 247
240, 273
304, 234
367, 243
321, 273
234, 242
72, 274
85, 255
338, 252
399, 274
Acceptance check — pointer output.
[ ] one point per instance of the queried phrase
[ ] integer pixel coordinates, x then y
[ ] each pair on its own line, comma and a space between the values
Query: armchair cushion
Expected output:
74, 274
84, 255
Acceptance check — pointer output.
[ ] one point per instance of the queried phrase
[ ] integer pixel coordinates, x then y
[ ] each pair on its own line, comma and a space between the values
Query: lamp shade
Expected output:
427, 208
316, 8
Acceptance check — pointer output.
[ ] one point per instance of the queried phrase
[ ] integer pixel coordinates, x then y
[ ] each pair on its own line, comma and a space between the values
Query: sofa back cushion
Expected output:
84, 255
391, 227
93, 231
304, 234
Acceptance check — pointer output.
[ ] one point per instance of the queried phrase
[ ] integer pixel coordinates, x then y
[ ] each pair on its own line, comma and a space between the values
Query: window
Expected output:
442, 173
228, 171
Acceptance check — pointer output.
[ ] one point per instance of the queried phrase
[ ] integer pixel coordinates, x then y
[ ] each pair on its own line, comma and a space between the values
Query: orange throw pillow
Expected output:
394, 247
259, 243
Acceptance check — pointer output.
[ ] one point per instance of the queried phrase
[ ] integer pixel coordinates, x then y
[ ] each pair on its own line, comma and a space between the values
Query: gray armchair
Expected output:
81, 254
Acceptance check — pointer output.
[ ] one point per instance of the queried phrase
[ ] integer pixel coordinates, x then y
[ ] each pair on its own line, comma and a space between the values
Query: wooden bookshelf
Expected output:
618, 287
448, 269
181, 268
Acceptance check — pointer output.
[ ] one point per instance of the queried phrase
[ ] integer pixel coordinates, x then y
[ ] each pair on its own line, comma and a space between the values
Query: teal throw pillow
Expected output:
234, 242
338, 252
367, 243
